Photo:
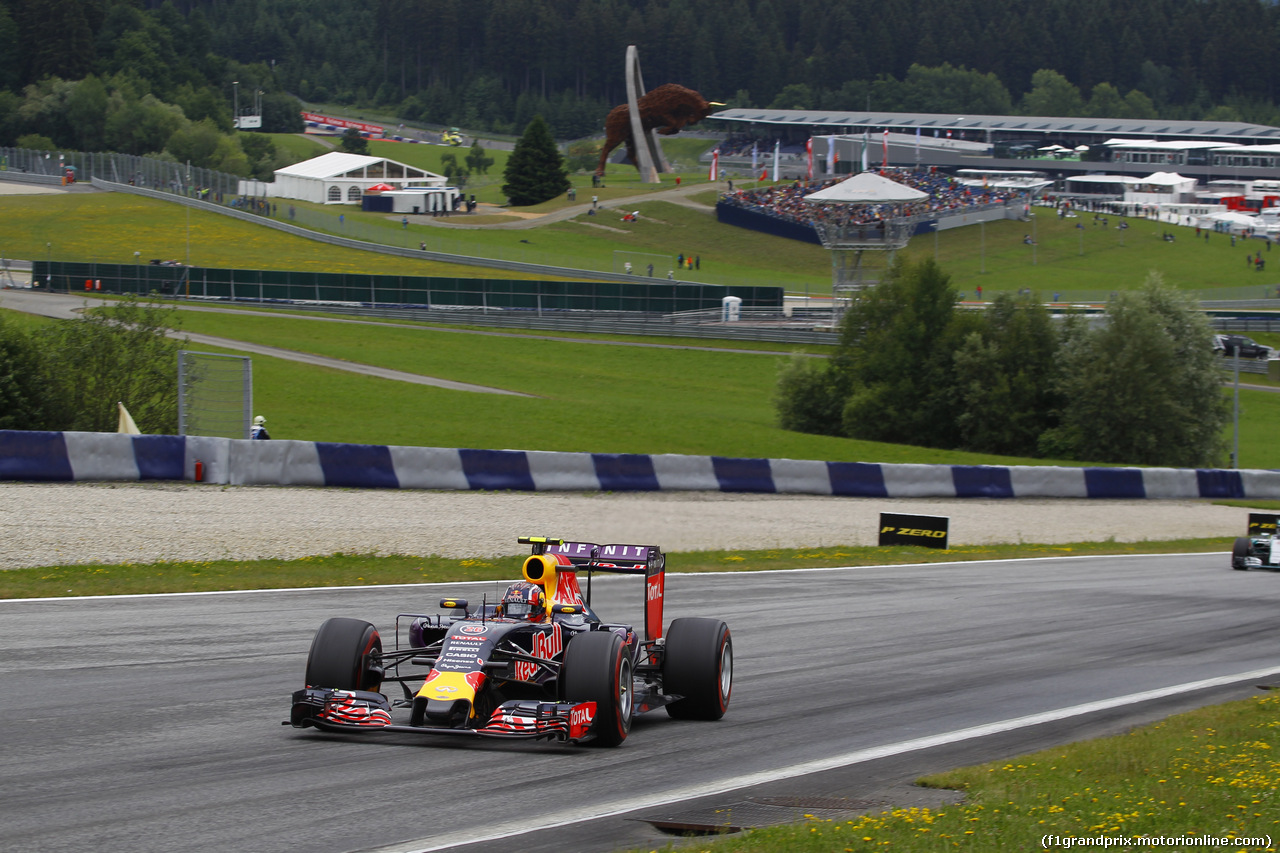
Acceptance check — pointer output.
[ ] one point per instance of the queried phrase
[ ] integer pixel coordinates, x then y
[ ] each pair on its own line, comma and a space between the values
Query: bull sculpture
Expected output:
668, 109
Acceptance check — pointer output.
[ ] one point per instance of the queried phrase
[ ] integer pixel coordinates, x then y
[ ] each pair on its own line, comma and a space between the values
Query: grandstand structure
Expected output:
1062, 147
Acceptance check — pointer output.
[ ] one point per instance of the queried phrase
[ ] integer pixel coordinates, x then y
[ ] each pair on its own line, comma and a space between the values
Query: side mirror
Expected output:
565, 609
453, 604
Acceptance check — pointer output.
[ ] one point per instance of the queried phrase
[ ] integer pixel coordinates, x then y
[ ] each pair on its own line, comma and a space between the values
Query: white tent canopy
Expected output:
867, 188
341, 178
1233, 218
1167, 179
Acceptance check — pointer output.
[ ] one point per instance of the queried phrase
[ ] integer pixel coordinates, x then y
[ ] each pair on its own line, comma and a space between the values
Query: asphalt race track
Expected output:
153, 723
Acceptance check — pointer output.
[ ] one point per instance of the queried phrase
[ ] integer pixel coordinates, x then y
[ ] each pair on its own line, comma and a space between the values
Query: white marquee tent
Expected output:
342, 178
868, 188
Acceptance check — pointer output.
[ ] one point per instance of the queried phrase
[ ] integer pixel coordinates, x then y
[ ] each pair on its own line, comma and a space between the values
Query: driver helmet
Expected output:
523, 601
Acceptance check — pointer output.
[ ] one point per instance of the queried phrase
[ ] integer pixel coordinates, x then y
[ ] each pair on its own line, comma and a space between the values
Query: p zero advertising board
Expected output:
929, 531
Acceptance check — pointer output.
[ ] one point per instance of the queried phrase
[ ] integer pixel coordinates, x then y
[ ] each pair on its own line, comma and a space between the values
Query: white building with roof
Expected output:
342, 178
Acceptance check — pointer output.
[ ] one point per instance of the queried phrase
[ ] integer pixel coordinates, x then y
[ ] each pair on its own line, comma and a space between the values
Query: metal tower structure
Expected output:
849, 233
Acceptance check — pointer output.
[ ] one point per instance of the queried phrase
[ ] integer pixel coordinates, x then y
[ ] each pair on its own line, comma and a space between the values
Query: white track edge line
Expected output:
669, 575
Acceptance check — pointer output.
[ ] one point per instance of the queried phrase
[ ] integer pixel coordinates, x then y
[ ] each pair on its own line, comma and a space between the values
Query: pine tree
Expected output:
535, 172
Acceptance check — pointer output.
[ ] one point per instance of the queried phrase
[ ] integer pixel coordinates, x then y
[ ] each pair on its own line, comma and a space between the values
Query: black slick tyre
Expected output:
346, 654
1239, 551
698, 666
598, 669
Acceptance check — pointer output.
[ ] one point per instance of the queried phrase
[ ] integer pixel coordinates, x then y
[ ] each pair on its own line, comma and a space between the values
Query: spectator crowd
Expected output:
786, 201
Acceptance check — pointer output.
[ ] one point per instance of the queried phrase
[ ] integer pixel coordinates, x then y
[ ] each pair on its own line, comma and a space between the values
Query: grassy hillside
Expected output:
299, 147
1093, 257
110, 227
1066, 259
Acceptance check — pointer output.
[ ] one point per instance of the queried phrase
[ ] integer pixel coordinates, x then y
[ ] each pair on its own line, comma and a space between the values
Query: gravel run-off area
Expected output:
60, 523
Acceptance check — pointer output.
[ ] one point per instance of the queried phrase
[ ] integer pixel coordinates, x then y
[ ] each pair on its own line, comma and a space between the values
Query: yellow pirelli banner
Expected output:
927, 530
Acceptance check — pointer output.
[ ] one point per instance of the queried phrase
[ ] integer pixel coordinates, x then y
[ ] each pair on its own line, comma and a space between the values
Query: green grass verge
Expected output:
378, 569
1209, 773
587, 396
1258, 505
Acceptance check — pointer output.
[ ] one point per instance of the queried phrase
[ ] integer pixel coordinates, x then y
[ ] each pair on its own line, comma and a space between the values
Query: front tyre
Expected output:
346, 654
1242, 548
698, 666
597, 669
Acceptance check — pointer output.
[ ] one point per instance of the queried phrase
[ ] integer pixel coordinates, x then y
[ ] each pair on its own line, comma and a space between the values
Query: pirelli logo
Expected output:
929, 531
1262, 522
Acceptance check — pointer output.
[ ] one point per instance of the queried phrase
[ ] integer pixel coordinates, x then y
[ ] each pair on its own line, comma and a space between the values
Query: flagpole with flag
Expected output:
866, 143
777, 160
886, 149
808, 148
715, 164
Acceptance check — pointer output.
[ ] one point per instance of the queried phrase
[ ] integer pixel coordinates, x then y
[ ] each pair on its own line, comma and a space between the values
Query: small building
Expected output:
1162, 152
1097, 187
342, 178
413, 200
1161, 188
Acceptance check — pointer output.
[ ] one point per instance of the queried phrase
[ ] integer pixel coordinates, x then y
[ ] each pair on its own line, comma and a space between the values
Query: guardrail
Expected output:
1247, 365
31, 178
592, 323
1247, 324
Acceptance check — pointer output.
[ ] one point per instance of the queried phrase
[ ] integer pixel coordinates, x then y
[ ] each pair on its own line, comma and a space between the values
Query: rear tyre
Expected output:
1241, 549
346, 654
698, 666
598, 669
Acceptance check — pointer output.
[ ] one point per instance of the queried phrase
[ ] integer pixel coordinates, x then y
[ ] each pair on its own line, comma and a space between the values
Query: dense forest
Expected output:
129, 74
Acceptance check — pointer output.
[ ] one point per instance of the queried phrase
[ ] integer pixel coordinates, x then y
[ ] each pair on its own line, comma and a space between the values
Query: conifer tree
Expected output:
535, 172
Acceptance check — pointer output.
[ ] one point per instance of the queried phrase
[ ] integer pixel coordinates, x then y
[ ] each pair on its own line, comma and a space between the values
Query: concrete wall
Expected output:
73, 456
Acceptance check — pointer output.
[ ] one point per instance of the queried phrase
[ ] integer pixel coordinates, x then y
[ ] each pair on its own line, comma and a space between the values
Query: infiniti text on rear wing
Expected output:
646, 560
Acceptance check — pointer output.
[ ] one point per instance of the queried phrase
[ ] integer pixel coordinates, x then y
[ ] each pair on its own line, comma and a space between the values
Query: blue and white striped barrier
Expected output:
71, 456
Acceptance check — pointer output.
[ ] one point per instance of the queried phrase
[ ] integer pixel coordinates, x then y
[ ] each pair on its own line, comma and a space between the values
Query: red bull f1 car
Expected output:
1260, 549
538, 664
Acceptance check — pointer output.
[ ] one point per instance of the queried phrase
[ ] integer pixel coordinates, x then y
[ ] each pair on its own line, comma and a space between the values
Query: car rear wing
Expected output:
646, 560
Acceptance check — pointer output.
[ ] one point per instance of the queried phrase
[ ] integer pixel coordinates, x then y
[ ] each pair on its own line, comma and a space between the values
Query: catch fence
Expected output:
353, 289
